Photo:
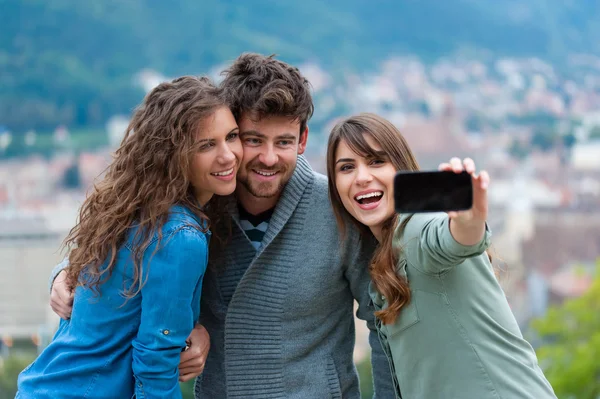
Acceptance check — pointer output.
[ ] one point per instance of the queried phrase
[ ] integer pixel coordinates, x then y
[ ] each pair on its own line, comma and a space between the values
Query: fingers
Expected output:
191, 361
61, 308
66, 296
469, 165
457, 166
191, 365
191, 368
192, 357
61, 297
480, 185
189, 376
64, 312
480, 195
445, 167
484, 180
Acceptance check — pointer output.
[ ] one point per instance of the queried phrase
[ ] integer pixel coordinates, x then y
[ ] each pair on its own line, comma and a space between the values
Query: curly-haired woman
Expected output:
138, 253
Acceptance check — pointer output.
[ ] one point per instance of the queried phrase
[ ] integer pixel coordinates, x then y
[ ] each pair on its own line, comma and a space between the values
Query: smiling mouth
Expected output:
224, 173
369, 198
266, 174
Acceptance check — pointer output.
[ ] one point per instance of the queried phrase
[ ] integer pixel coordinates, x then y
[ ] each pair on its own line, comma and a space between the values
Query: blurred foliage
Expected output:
595, 133
44, 143
570, 354
13, 365
569, 140
518, 150
365, 375
72, 178
187, 389
73, 63
544, 140
10, 368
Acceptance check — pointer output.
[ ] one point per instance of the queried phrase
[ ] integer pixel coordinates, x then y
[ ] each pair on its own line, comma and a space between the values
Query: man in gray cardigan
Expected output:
278, 296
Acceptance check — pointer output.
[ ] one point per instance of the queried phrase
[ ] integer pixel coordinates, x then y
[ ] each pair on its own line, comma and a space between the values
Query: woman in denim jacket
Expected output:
441, 315
138, 254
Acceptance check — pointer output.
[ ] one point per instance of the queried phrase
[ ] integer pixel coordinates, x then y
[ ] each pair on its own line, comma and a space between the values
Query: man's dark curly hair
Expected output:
263, 86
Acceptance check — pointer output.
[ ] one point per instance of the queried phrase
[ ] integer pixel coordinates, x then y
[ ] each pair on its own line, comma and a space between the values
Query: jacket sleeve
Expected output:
170, 276
429, 246
359, 279
56, 271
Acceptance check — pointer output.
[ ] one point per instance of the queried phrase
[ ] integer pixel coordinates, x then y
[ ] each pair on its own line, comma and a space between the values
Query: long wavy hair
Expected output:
148, 175
383, 264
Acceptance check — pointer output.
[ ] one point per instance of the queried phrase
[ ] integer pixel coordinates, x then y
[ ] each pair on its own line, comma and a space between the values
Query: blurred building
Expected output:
28, 251
560, 256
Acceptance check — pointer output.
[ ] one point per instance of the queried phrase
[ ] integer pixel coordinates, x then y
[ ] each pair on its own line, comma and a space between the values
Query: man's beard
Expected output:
265, 189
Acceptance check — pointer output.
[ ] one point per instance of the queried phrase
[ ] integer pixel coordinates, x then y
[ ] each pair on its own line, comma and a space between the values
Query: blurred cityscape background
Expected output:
515, 84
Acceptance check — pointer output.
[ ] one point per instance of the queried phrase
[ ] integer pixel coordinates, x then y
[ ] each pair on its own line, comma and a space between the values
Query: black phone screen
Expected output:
444, 191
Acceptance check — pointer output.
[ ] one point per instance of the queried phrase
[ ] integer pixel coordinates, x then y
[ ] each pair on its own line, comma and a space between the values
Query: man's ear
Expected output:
302, 142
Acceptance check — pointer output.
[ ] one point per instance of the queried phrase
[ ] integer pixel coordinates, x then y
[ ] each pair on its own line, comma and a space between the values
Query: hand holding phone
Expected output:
455, 189
441, 191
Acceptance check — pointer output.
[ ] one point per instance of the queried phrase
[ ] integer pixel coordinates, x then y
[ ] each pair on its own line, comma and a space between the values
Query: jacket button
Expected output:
165, 332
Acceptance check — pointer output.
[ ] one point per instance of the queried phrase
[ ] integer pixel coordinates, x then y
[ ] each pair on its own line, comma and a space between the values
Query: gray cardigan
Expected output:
288, 331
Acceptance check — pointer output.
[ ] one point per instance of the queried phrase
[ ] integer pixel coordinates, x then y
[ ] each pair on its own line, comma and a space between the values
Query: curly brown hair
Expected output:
148, 175
383, 264
263, 86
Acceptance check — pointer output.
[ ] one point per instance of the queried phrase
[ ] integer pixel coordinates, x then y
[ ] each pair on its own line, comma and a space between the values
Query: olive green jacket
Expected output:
457, 338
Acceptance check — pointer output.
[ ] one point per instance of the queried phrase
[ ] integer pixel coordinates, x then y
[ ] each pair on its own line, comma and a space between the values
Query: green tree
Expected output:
9, 371
365, 376
187, 389
595, 133
543, 139
13, 365
475, 123
569, 140
571, 350
72, 178
518, 150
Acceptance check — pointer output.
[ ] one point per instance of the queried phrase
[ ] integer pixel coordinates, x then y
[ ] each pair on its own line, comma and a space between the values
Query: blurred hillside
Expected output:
74, 63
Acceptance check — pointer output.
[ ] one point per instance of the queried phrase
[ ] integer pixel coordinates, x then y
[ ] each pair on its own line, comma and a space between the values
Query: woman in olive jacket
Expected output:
442, 317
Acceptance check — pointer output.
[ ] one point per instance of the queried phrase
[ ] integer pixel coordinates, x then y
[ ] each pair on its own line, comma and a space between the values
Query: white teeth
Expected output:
225, 173
373, 194
265, 173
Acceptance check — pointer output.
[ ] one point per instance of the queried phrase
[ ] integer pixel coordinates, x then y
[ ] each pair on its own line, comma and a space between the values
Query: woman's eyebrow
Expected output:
344, 160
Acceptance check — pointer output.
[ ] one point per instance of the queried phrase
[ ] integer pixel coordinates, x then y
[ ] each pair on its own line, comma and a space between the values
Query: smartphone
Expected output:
417, 192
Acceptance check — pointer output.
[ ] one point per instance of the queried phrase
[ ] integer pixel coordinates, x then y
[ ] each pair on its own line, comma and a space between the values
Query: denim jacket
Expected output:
113, 348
